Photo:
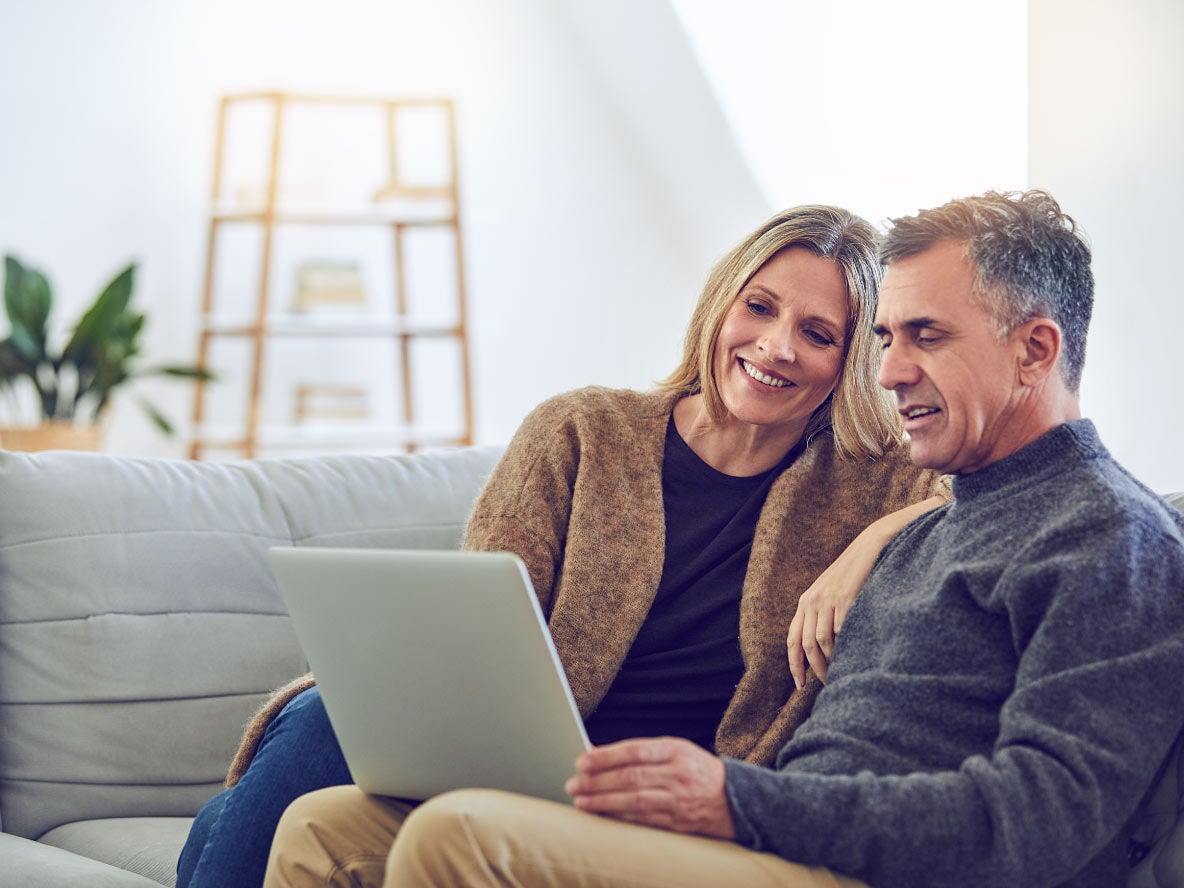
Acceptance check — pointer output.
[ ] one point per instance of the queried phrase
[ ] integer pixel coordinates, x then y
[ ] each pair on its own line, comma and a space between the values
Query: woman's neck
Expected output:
733, 447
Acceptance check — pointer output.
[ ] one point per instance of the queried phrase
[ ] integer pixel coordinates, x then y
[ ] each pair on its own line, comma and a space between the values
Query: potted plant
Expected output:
73, 386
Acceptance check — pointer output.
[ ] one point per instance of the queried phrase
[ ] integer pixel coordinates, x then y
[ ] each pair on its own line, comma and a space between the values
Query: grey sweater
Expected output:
1003, 690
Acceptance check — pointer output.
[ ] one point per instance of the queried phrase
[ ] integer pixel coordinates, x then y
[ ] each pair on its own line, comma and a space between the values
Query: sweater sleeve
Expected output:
525, 506
1099, 638
253, 735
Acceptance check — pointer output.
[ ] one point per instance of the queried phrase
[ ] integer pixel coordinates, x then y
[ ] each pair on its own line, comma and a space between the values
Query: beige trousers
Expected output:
341, 837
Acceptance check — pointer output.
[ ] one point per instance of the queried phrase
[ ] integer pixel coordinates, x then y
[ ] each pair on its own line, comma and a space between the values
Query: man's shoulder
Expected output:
1065, 480
1093, 522
890, 478
1102, 493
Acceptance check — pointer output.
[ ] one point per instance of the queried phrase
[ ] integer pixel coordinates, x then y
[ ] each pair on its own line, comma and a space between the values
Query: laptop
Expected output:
436, 669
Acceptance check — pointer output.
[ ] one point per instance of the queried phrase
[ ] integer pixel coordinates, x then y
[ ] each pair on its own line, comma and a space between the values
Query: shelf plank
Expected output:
330, 219
324, 326
431, 209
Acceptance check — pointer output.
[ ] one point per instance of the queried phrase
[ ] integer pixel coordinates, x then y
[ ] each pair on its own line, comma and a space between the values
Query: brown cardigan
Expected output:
578, 496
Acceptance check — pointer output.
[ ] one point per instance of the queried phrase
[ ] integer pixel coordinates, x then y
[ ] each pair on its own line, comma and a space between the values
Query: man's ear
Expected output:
1039, 347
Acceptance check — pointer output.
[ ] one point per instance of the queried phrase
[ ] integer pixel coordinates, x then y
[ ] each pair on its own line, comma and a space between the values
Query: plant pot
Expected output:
56, 435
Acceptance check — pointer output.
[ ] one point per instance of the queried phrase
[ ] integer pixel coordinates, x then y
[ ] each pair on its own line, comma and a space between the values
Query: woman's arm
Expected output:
823, 607
525, 505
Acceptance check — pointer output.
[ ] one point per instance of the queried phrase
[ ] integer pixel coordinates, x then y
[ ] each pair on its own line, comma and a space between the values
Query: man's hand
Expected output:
665, 782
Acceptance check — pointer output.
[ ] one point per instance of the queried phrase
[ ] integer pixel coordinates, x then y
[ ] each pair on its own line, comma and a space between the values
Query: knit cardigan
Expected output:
578, 496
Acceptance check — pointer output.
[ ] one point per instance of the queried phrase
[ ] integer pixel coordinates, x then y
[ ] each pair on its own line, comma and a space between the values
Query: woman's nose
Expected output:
778, 344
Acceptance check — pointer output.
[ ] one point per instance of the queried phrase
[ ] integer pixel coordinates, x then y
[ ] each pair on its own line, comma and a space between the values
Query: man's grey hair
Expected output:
1031, 260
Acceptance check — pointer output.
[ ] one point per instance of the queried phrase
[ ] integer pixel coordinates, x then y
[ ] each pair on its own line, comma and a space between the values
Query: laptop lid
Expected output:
436, 669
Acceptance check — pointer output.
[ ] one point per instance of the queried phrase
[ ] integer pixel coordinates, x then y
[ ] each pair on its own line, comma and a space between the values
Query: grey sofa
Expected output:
140, 627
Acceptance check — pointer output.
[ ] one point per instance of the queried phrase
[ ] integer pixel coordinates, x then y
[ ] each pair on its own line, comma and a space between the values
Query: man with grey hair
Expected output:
1006, 685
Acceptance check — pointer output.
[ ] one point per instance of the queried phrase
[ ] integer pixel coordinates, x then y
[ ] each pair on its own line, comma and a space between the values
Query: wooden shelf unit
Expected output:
404, 207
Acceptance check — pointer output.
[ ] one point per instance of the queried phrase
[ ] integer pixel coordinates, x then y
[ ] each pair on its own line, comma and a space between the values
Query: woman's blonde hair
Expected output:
862, 415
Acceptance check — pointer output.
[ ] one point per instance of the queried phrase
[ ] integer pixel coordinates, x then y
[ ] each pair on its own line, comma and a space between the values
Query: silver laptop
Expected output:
436, 669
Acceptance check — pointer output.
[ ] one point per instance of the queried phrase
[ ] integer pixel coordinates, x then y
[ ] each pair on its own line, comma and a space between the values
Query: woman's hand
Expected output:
824, 606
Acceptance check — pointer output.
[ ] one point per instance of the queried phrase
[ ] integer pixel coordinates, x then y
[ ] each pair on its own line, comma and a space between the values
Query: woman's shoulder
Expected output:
898, 462
600, 403
893, 465
593, 426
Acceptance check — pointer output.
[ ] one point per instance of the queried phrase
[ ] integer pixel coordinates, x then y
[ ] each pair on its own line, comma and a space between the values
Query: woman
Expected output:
659, 527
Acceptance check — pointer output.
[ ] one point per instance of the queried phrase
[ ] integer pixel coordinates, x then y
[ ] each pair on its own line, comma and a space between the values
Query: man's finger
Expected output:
643, 751
635, 803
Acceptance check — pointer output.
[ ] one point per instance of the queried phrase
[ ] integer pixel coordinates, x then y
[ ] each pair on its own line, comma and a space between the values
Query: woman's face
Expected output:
780, 349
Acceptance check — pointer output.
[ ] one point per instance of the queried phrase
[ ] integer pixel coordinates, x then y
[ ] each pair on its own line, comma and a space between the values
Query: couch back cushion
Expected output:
140, 626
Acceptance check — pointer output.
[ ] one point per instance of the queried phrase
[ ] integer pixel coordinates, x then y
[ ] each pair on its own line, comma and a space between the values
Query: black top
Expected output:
685, 663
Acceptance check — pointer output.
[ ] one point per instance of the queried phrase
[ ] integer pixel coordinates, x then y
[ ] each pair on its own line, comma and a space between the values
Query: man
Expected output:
994, 708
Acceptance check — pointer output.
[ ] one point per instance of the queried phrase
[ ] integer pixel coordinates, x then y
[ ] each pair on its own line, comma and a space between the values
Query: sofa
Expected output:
140, 628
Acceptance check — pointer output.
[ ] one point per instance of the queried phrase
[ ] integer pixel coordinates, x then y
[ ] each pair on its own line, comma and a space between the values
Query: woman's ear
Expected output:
1039, 344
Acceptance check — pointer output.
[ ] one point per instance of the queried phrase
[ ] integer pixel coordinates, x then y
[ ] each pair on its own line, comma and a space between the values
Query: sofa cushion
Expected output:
139, 625
144, 845
29, 864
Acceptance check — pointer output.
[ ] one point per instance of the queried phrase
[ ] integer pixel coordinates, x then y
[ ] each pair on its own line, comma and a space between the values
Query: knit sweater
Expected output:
578, 496
1003, 691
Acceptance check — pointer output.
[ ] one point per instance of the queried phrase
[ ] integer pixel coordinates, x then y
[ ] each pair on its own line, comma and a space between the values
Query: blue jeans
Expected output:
231, 836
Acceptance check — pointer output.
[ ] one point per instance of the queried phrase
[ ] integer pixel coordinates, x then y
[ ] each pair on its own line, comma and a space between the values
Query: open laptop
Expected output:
436, 669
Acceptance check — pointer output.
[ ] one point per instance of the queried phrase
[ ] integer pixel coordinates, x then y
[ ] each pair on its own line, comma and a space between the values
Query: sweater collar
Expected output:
1055, 451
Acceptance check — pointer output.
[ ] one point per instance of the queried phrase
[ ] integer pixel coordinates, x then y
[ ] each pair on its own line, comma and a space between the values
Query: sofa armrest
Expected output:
29, 864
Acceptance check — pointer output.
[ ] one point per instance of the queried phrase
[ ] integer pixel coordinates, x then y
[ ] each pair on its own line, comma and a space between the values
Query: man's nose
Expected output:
897, 368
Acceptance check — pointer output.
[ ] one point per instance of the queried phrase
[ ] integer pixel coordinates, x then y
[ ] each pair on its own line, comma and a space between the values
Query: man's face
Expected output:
956, 386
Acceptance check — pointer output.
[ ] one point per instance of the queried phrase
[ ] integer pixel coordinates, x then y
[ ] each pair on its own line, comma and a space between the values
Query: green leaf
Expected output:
179, 373
27, 300
106, 318
13, 364
156, 416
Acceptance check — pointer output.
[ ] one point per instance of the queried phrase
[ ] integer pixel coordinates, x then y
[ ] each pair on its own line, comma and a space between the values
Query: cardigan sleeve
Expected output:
523, 509
526, 504
253, 734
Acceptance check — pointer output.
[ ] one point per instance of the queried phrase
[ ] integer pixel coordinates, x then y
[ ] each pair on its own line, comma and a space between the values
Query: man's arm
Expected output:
1093, 710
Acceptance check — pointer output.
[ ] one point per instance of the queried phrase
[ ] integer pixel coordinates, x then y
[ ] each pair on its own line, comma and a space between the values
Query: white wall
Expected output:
1084, 98
1107, 138
584, 248
580, 267
882, 107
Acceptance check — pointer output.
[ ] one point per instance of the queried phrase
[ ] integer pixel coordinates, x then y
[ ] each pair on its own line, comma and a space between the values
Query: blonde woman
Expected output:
669, 535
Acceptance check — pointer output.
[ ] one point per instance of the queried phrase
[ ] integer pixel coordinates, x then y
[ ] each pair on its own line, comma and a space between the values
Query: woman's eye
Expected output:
757, 308
820, 338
